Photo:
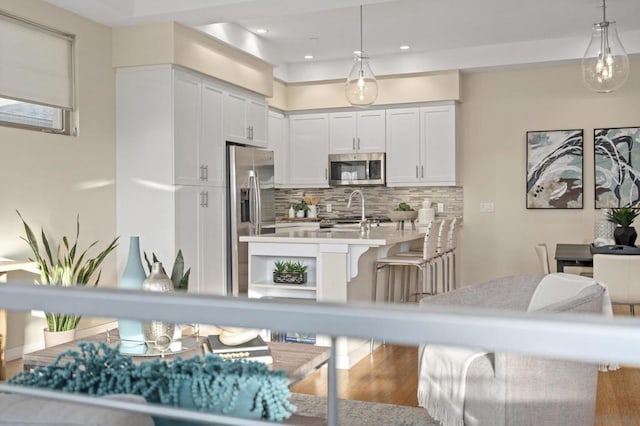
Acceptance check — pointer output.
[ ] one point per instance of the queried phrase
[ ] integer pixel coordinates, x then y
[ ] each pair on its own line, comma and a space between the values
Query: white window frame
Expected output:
65, 116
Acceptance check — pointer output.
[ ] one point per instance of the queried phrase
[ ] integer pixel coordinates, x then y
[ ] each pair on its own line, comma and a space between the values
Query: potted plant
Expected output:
289, 272
623, 217
64, 266
300, 208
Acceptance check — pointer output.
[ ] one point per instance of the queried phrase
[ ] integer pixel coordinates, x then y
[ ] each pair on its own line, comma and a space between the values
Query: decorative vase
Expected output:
313, 211
603, 227
54, 338
159, 332
625, 236
300, 213
131, 335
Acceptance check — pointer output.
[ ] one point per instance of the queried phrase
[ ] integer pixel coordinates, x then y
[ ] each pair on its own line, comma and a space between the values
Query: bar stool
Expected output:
449, 256
426, 266
443, 249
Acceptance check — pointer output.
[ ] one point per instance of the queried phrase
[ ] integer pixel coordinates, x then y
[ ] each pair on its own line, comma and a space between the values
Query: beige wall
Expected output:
51, 178
172, 43
436, 86
499, 108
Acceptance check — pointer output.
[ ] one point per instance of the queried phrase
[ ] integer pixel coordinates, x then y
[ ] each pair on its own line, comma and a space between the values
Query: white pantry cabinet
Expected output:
245, 120
278, 130
168, 125
361, 131
421, 146
309, 150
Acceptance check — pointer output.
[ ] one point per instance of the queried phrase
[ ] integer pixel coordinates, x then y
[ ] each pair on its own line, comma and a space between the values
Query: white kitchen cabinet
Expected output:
351, 132
309, 150
198, 143
438, 145
168, 125
245, 120
278, 130
421, 146
199, 229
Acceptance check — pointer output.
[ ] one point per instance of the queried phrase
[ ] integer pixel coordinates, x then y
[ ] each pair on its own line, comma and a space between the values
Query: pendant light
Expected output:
361, 88
605, 65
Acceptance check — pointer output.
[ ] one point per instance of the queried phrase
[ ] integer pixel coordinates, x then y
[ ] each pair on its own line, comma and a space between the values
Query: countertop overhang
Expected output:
376, 237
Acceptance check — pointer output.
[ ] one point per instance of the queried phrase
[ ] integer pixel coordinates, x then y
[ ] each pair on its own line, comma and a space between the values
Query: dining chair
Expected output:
620, 273
543, 257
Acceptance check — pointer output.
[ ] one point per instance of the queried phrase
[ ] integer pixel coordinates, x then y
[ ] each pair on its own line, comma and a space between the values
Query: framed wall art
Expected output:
555, 169
617, 167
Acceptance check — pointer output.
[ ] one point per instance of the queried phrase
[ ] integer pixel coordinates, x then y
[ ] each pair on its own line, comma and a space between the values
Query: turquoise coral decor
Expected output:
235, 388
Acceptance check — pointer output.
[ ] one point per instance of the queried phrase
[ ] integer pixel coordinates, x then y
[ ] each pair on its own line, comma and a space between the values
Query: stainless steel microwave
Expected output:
357, 169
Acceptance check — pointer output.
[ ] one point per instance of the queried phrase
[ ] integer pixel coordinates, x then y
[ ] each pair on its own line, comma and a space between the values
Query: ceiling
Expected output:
442, 34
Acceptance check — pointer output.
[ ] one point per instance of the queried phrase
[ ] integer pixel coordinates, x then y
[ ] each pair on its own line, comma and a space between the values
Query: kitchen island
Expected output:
339, 268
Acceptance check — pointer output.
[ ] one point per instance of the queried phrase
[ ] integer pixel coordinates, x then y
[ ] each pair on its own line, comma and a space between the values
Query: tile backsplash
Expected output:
378, 199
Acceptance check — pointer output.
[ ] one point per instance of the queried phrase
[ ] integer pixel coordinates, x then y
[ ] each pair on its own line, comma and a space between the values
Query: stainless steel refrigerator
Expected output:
251, 208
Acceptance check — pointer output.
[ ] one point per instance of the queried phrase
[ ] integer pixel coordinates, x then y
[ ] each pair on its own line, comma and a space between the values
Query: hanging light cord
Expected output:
362, 51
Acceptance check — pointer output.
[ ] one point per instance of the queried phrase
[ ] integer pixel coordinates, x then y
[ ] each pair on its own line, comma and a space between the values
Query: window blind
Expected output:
36, 63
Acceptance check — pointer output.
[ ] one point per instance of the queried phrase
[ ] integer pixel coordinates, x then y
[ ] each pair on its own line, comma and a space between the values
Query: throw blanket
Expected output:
441, 387
556, 287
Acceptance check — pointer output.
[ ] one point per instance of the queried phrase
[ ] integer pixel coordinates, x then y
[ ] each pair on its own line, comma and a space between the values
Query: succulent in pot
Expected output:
289, 272
623, 217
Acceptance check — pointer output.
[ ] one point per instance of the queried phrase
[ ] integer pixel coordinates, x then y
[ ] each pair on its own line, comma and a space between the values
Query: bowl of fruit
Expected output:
403, 212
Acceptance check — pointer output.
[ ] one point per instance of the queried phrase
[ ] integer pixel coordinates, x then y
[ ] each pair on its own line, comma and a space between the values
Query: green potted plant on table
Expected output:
289, 272
64, 265
623, 217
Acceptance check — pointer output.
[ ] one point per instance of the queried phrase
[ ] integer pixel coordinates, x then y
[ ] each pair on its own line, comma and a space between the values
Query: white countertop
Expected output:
378, 236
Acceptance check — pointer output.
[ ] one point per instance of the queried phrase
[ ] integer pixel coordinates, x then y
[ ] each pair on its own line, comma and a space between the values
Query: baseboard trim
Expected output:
17, 352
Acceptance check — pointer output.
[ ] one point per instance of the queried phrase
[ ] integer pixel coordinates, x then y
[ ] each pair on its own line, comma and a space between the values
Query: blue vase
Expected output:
131, 334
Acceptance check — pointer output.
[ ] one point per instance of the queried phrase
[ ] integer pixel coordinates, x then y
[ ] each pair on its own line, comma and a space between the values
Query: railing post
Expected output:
332, 386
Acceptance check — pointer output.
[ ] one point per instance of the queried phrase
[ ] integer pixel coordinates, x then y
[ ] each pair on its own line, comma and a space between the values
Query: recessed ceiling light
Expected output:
404, 47
262, 31
308, 56
357, 52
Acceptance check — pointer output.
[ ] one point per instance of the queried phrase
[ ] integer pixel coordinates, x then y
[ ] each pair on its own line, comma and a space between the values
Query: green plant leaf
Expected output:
64, 269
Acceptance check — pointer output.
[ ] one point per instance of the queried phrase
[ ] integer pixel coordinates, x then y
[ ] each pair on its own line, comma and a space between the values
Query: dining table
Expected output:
582, 254
573, 255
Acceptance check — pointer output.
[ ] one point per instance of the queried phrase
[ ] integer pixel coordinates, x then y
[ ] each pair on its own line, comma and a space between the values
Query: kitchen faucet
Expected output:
364, 224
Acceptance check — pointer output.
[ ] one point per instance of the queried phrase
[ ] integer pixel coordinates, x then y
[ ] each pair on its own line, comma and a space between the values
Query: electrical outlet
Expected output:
329, 207
440, 207
487, 207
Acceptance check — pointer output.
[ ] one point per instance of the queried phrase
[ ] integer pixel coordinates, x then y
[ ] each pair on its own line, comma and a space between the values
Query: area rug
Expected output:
358, 413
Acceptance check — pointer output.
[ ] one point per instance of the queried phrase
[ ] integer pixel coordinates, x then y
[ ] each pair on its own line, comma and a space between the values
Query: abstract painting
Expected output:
554, 169
617, 167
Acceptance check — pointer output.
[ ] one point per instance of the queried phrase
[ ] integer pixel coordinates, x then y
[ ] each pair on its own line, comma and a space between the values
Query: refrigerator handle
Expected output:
254, 201
258, 203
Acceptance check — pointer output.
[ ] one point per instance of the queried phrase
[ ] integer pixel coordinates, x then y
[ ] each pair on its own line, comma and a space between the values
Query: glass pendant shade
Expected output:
361, 88
605, 65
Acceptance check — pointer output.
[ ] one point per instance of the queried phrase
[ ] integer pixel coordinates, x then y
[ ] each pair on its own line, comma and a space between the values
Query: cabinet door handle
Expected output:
416, 171
353, 143
206, 199
201, 172
422, 168
206, 172
248, 132
201, 194
358, 142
